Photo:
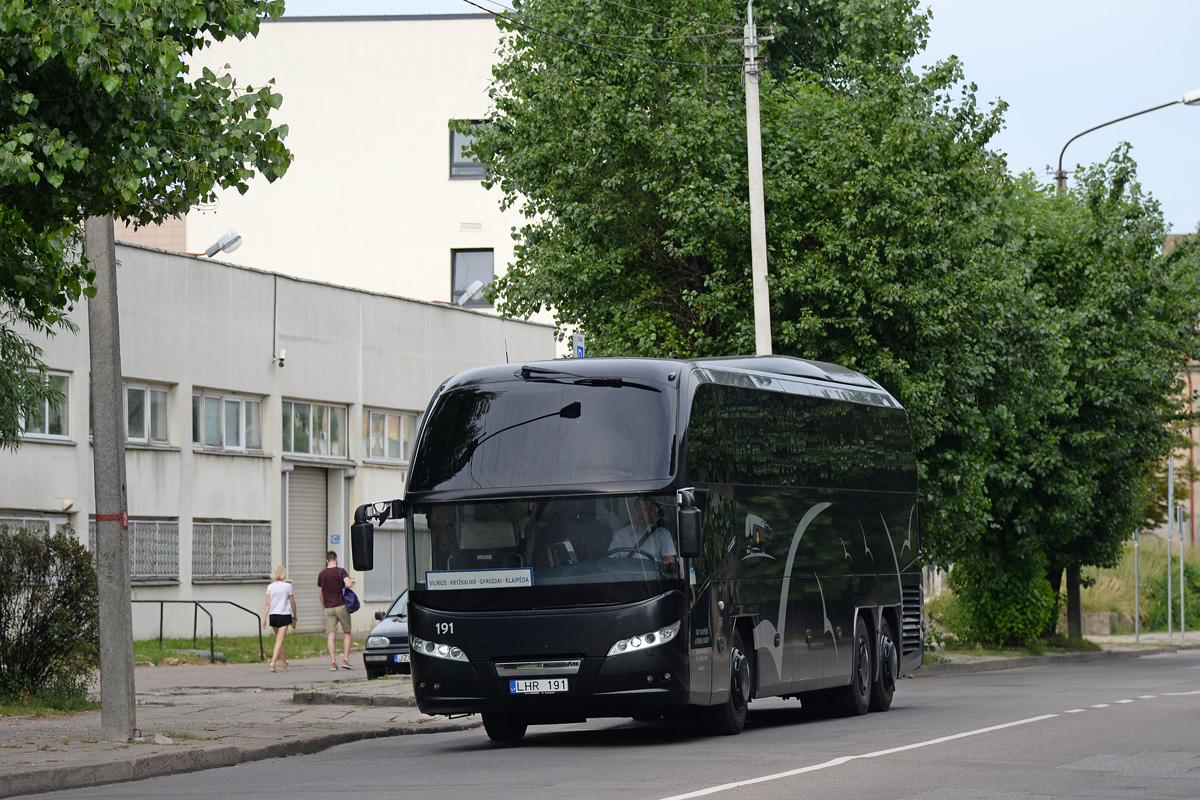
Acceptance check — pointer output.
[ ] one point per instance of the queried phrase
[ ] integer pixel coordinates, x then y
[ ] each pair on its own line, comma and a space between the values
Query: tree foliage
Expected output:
100, 116
49, 614
1005, 318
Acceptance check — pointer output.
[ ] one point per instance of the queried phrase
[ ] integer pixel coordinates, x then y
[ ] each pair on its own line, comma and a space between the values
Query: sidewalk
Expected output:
193, 717
197, 716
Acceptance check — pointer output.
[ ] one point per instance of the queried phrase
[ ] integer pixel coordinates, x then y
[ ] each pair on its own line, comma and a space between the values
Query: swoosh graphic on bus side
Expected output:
766, 631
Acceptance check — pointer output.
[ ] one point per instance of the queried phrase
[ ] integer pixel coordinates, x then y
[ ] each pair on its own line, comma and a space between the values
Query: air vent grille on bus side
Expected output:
910, 609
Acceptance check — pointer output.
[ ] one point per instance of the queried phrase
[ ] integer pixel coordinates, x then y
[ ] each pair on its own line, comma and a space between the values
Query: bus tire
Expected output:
889, 667
856, 698
728, 718
504, 728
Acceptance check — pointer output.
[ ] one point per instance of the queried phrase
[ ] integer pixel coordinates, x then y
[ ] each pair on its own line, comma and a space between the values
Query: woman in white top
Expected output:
279, 613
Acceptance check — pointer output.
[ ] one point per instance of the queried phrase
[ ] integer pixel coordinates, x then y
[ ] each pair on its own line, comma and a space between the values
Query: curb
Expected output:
347, 699
152, 766
951, 668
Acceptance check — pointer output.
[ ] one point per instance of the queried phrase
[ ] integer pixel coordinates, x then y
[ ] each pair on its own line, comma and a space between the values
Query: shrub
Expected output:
1006, 603
1154, 597
49, 620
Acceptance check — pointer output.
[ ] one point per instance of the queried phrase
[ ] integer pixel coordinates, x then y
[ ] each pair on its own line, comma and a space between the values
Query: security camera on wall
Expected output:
282, 356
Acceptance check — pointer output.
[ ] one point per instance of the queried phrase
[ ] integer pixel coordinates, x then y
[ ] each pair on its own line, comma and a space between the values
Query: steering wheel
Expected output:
632, 551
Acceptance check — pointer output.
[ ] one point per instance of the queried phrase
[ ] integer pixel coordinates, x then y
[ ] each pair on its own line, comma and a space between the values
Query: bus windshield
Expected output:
540, 433
543, 552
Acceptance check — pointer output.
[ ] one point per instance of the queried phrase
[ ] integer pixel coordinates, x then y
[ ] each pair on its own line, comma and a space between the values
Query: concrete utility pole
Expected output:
118, 700
758, 222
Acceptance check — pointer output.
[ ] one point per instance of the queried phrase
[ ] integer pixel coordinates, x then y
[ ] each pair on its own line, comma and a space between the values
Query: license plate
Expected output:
401, 658
538, 686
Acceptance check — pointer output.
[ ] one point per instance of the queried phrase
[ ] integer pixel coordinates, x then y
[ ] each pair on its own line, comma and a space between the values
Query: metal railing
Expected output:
198, 607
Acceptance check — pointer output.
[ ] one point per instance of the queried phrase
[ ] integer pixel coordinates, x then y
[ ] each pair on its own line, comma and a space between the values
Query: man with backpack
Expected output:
332, 580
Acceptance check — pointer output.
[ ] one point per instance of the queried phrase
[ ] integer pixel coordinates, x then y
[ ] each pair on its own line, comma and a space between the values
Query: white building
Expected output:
239, 458
379, 196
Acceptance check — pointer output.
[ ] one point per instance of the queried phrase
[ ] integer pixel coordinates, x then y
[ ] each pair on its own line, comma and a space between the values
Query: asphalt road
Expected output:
1112, 729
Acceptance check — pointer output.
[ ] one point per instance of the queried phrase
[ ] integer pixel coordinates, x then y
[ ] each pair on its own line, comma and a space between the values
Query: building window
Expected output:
34, 522
51, 419
226, 422
313, 429
224, 550
461, 164
388, 435
471, 272
153, 549
145, 414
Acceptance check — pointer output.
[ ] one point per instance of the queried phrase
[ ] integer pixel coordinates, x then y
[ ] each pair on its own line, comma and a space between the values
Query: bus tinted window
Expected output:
743, 436
546, 433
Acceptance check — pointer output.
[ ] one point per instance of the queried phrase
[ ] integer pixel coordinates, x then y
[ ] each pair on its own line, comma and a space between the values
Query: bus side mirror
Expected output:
362, 532
362, 546
689, 532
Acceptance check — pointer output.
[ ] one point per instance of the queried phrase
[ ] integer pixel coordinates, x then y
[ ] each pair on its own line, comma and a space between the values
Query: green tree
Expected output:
881, 195
99, 116
1128, 317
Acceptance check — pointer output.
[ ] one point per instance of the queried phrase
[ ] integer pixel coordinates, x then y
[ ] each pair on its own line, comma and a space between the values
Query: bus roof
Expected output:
664, 369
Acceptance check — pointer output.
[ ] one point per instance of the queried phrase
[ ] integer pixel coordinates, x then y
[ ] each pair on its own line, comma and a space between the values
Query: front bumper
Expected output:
389, 660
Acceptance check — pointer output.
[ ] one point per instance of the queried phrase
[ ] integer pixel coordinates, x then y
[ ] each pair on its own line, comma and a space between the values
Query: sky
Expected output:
1063, 66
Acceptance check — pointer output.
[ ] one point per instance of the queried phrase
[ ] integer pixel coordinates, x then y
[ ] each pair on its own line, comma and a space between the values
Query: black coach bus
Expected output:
617, 537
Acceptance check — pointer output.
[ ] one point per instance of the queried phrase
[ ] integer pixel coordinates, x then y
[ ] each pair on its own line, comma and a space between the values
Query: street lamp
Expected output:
226, 244
1190, 99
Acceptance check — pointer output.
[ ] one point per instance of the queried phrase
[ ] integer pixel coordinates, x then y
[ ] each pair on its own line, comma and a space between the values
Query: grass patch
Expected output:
185, 735
45, 705
237, 650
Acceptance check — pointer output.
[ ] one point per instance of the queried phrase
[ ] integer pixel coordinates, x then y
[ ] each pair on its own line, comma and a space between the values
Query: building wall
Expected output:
368, 201
188, 324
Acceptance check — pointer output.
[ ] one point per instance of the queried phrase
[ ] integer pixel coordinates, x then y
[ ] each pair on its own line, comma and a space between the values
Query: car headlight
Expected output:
645, 640
436, 650
378, 641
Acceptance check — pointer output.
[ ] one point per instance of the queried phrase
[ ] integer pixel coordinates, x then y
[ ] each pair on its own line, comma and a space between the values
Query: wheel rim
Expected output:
864, 666
889, 665
741, 677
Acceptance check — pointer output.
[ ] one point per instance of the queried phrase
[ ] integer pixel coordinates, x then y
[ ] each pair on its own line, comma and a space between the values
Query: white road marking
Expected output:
837, 762
1120, 702
1101, 705
1075, 710
1147, 696
1182, 694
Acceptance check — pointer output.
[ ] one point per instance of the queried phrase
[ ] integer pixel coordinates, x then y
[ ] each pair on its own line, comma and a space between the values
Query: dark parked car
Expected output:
387, 645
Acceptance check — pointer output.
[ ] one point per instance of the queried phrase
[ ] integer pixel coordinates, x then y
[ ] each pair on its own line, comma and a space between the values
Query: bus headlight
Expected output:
645, 640
436, 650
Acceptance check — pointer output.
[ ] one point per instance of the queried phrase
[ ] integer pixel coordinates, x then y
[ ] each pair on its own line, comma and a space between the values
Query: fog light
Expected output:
666, 676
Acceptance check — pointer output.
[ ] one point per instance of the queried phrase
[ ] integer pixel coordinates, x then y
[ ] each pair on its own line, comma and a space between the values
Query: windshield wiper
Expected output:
543, 374
615, 383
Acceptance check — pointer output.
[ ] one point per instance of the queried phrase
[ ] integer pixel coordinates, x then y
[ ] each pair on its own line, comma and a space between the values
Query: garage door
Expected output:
306, 514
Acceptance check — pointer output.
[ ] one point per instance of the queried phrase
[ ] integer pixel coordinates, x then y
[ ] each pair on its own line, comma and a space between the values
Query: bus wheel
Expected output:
889, 667
504, 727
856, 697
729, 717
